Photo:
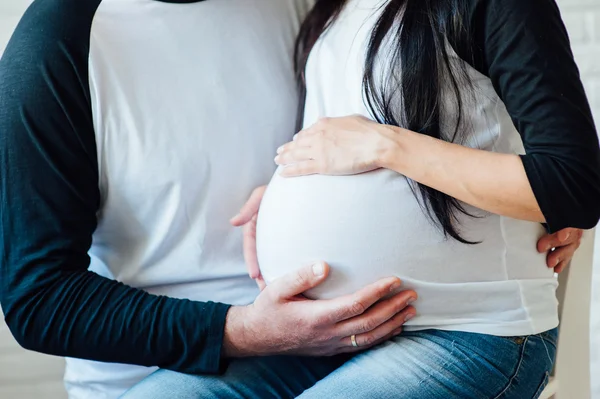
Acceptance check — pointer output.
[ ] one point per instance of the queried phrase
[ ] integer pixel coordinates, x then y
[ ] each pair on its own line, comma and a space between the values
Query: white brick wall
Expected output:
582, 18
10, 12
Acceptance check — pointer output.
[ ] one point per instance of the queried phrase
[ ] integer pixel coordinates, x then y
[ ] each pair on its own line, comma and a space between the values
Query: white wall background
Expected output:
26, 375
582, 18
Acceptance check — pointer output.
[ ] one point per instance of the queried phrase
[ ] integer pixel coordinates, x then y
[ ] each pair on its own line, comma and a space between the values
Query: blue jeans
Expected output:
427, 364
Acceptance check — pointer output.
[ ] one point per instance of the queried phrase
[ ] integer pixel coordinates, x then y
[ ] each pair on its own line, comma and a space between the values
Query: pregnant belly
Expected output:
370, 226
365, 227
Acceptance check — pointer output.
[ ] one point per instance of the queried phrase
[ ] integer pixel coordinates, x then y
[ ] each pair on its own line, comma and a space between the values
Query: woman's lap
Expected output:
442, 364
417, 365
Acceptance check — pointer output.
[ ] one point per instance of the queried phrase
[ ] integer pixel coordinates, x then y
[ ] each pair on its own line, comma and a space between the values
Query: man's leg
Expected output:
275, 377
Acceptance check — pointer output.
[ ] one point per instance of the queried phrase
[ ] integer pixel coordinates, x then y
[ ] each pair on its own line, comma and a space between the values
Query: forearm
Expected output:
83, 315
490, 181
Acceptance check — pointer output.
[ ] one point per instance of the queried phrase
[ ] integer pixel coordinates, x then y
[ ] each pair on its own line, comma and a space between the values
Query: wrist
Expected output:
391, 147
235, 337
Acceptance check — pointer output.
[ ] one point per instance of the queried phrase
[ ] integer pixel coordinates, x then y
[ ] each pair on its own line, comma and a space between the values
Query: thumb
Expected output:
250, 208
300, 281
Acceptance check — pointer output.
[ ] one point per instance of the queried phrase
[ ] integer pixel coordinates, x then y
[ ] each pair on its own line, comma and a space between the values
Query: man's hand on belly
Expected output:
281, 321
247, 219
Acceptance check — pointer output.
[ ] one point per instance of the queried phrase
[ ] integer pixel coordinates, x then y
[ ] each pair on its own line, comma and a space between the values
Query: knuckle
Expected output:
382, 290
368, 340
314, 329
338, 314
399, 317
299, 279
358, 307
399, 306
325, 336
321, 320
367, 325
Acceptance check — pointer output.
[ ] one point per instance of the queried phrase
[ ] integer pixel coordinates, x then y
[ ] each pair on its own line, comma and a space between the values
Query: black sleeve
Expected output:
525, 50
49, 200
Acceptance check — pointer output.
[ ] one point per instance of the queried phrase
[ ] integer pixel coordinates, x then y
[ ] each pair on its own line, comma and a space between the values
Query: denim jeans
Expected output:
427, 364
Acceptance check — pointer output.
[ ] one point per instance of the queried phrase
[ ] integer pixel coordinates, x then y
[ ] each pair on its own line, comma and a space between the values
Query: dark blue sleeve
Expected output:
525, 50
49, 201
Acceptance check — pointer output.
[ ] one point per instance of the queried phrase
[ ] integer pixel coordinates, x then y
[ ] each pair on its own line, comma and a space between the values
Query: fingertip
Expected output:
261, 283
320, 269
395, 283
564, 235
397, 280
543, 246
414, 296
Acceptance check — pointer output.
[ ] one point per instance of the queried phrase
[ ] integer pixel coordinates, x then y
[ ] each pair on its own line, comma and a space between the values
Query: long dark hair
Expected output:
411, 95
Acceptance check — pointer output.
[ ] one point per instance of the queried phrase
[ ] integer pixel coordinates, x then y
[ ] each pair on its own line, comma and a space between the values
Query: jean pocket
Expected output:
550, 337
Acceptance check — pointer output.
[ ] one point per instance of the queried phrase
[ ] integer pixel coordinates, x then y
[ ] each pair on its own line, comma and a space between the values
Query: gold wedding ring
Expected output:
353, 340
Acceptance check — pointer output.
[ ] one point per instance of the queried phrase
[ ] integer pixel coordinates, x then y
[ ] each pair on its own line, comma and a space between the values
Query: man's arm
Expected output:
50, 197
49, 201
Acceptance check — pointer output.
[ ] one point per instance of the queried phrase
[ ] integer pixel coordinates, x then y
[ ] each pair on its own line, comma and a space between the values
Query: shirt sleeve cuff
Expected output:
211, 359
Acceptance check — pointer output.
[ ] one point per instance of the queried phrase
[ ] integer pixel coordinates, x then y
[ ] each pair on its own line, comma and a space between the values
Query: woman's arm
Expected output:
523, 47
525, 52
490, 181
494, 182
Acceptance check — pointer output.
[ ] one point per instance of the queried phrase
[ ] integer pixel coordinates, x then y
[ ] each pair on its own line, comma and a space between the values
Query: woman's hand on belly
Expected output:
493, 182
281, 321
334, 146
